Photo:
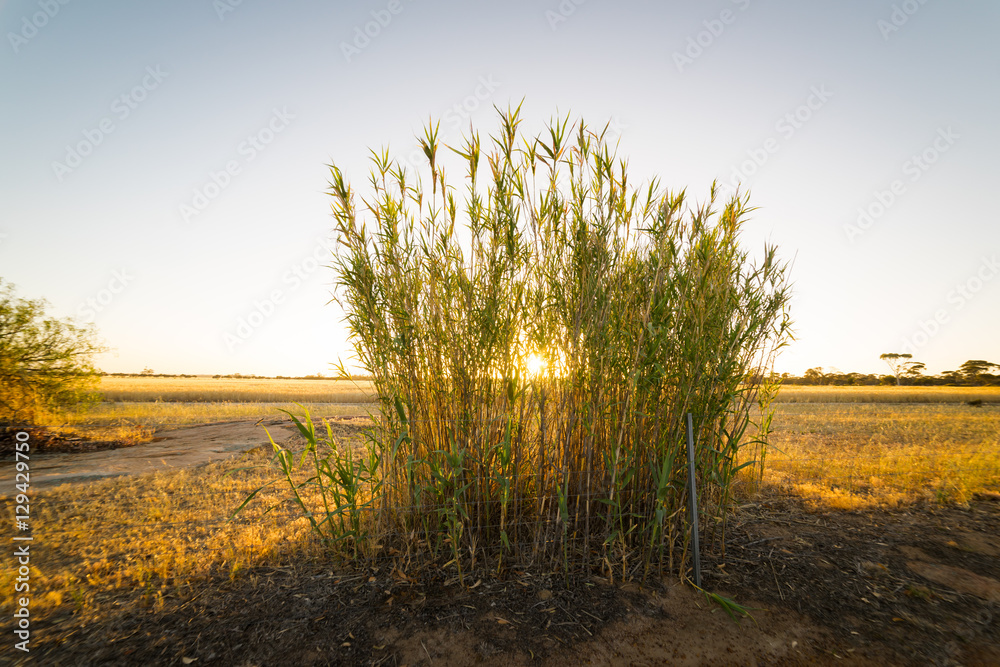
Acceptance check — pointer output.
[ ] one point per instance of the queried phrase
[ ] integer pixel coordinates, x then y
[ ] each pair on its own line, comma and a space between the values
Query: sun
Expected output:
535, 364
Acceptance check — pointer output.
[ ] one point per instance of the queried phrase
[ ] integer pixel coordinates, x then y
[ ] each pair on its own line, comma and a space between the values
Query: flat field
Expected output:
905, 394
849, 455
246, 390
844, 446
234, 390
149, 404
873, 537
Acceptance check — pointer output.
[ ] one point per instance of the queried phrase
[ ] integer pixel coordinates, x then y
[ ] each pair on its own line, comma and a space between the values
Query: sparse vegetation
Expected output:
973, 373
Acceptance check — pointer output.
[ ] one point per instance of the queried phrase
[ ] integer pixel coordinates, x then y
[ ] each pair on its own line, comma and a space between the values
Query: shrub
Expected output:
535, 353
45, 363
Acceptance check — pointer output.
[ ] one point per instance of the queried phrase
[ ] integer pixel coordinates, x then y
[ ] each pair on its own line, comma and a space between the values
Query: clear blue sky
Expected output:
116, 115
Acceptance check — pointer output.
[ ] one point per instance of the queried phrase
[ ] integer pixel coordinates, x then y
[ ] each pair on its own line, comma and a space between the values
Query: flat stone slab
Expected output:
176, 448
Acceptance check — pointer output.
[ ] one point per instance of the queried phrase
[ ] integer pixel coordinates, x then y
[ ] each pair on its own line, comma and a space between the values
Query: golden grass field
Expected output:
849, 446
852, 455
832, 394
133, 407
162, 534
243, 390
234, 390
855, 447
870, 451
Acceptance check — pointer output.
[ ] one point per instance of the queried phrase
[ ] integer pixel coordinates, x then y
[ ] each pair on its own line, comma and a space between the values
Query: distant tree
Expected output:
147, 371
914, 370
44, 362
901, 366
814, 375
974, 369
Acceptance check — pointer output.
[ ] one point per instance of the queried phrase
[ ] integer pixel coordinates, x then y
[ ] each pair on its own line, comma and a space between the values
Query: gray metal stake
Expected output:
693, 495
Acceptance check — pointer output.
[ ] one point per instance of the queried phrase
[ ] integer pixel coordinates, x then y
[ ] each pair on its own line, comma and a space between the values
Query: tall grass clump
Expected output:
535, 337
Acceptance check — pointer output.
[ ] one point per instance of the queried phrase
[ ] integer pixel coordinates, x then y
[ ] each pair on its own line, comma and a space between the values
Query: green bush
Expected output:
641, 307
45, 363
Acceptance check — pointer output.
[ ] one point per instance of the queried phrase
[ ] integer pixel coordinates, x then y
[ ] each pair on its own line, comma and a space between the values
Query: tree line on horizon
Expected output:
904, 371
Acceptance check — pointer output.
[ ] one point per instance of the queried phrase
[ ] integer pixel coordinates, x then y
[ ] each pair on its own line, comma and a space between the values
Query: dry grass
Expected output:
164, 415
135, 407
857, 455
807, 394
162, 534
236, 390
242, 390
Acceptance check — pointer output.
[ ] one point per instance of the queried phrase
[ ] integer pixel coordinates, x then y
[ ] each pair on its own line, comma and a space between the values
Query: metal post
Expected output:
693, 495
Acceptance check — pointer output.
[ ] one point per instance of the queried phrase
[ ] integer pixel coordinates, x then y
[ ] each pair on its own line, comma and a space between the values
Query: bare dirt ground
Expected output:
918, 586
175, 448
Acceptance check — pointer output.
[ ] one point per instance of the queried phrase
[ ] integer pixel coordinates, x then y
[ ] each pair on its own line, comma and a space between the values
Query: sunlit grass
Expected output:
850, 456
844, 394
162, 415
133, 408
236, 390
163, 535
158, 535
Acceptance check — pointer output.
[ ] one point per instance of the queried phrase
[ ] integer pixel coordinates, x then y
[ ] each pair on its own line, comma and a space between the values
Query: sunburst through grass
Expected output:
648, 303
535, 364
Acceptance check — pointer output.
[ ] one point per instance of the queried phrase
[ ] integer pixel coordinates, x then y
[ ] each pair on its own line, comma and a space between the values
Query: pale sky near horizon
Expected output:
866, 133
